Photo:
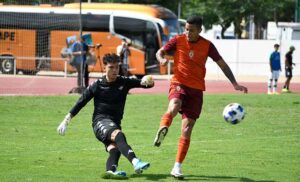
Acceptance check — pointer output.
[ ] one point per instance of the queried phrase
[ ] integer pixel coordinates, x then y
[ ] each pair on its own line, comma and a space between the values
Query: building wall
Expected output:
251, 57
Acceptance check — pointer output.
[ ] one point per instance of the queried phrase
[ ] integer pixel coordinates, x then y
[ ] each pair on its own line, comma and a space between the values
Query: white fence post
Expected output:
169, 70
15, 66
66, 64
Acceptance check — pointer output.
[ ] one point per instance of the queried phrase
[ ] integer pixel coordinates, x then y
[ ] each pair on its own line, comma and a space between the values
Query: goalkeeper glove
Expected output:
147, 81
61, 129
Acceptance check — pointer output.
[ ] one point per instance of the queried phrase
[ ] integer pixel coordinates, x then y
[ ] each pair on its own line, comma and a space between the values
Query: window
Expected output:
135, 29
95, 22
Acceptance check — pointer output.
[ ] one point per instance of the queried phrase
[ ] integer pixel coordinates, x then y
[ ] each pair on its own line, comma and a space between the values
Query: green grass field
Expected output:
264, 147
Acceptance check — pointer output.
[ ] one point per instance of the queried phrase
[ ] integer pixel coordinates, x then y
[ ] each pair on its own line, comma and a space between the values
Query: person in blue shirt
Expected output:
275, 68
79, 51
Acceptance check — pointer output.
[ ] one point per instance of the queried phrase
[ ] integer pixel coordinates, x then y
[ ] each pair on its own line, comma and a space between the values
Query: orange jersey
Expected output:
189, 60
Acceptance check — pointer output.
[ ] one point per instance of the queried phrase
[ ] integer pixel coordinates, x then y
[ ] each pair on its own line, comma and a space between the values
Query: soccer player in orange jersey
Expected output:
187, 85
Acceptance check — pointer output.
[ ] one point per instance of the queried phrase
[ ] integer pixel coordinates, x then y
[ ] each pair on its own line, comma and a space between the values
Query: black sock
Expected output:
113, 159
123, 147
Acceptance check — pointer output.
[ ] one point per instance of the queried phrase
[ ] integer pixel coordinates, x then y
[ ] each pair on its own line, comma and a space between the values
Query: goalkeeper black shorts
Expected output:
103, 129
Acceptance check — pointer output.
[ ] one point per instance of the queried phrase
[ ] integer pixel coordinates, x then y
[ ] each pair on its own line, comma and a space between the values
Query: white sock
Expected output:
275, 86
134, 161
177, 165
270, 85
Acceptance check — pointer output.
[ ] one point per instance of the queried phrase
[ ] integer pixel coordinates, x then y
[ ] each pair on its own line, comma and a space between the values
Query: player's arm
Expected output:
270, 61
160, 56
162, 52
214, 54
279, 62
228, 73
146, 82
86, 96
286, 62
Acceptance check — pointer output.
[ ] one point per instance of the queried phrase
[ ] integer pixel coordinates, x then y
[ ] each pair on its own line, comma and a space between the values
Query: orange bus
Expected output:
32, 37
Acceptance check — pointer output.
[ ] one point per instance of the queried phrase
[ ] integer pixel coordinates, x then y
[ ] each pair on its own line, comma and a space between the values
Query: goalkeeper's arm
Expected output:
61, 129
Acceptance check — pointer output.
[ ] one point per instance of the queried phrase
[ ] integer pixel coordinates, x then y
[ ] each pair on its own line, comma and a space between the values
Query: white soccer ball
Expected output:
234, 113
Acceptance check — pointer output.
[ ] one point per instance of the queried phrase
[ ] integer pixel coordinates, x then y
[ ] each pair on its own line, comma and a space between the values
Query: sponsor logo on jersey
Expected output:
191, 54
104, 88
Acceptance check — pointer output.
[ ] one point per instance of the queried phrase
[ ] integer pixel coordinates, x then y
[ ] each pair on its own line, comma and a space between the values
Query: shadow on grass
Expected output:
151, 177
157, 177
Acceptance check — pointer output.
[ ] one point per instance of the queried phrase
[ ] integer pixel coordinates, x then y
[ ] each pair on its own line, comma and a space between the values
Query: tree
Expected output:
270, 10
225, 12
222, 12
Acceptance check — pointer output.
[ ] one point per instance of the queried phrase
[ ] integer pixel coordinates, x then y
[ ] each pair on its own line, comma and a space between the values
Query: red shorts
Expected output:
192, 100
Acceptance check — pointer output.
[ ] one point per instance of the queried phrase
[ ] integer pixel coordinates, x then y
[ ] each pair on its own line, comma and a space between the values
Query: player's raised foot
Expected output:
160, 135
140, 166
120, 175
176, 173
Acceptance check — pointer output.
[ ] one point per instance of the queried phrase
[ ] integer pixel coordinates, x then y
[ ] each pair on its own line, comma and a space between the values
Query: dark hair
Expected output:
276, 45
111, 58
195, 20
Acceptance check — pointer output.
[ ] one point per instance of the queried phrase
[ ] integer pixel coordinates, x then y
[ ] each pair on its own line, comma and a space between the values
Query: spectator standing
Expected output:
288, 69
124, 52
275, 68
79, 52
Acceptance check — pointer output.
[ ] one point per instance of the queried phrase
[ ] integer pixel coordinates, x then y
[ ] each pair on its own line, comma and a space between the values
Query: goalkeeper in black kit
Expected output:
109, 93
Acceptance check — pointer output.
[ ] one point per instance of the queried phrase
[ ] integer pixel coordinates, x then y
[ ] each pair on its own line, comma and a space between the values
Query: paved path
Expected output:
45, 85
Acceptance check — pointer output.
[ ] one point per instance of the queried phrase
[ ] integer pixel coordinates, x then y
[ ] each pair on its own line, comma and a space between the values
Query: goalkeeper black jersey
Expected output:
109, 97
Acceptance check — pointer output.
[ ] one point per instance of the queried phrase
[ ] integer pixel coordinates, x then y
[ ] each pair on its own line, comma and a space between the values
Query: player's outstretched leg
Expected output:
160, 135
139, 165
126, 150
165, 123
